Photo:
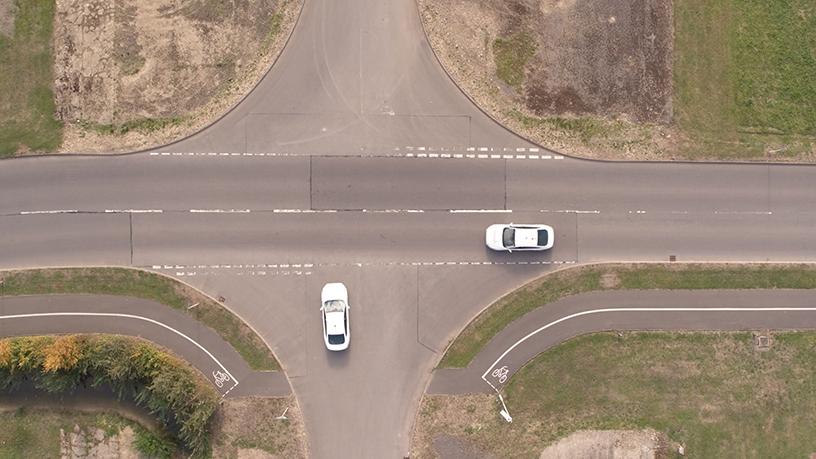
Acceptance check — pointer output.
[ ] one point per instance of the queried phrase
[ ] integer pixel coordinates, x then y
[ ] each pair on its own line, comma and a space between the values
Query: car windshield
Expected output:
543, 237
336, 339
509, 237
334, 306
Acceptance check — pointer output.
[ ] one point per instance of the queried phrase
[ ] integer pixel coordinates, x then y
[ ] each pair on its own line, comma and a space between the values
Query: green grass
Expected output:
511, 55
26, 99
743, 76
32, 433
142, 125
152, 445
584, 128
713, 393
150, 286
557, 285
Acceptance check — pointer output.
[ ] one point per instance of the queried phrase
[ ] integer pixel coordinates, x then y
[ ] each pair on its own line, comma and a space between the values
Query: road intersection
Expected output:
357, 160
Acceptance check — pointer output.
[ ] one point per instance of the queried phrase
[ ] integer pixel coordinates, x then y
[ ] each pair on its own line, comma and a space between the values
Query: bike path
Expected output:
625, 310
188, 338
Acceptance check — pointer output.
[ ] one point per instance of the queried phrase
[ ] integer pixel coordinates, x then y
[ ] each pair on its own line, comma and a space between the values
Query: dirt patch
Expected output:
250, 427
599, 82
609, 444
8, 12
93, 442
610, 280
601, 58
135, 73
450, 447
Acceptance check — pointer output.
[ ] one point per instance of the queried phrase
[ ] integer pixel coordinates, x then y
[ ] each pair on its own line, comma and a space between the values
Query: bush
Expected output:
133, 368
152, 445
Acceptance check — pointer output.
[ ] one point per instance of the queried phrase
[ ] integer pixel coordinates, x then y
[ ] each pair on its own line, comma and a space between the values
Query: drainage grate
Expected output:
762, 342
672, 257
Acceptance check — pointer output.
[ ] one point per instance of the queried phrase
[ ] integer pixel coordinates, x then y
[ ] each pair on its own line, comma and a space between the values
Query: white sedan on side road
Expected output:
335, 311
519, 237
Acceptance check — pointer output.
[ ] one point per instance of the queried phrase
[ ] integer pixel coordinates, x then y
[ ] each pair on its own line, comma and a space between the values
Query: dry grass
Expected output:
714, 393
249, 423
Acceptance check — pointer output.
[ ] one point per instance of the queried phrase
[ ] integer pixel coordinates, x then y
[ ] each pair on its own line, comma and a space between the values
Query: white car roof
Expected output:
525, 237
335, 323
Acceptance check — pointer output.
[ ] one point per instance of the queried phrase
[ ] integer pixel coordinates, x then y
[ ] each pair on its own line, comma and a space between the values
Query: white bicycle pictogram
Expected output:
220, 378
501, 374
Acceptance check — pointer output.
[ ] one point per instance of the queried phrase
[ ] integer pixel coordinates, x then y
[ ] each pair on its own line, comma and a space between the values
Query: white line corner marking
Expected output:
600, 311
127, 316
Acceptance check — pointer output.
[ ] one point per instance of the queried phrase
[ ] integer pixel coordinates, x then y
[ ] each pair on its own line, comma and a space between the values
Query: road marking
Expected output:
601, 311
742, 212
480, 211
396, 152
125, 316
133, 211
220, 211
570, 211
296, 269
37, 212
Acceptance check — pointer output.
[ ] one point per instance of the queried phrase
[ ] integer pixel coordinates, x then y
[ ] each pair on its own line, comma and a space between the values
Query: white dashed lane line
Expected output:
307, 269
745, 213
405, 152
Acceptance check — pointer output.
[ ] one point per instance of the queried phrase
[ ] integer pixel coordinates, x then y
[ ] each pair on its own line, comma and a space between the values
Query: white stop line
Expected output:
216, 374
601, 311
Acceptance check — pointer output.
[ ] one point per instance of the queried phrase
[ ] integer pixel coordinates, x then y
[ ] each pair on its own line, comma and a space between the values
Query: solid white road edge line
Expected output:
600, 311
126, 316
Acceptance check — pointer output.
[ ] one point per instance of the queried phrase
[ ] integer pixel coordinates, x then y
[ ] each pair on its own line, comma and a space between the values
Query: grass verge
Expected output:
150, 286
36, 432
713, 393
743, 80
27, 107
572, 281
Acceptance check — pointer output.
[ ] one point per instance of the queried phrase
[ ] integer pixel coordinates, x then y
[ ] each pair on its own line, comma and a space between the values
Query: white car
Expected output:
335, 311
519, 237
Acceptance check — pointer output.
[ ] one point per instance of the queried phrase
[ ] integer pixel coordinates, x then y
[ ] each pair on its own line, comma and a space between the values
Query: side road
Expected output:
551, 324
188, 338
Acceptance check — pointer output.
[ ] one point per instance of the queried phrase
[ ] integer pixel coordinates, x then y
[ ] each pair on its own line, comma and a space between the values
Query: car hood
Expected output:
334, 323
493, 236
334, 291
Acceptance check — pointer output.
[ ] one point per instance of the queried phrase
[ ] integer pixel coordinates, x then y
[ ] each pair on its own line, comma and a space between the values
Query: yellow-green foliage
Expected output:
133, 368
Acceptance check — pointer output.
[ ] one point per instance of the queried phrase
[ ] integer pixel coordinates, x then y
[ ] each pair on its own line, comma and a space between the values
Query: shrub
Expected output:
156, 380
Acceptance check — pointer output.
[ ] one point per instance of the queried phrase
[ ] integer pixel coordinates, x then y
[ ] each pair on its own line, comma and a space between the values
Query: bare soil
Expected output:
8, 11
93, 443
137, 73
609, 444
606, 64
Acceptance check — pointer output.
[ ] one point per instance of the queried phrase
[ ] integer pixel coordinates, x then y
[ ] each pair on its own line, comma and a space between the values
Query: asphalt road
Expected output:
357, 160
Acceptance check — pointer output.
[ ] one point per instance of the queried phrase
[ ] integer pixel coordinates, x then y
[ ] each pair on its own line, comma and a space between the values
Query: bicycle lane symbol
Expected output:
220, 378
501, 374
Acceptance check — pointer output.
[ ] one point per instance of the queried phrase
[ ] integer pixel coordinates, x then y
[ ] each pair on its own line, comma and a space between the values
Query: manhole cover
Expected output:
762, 342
